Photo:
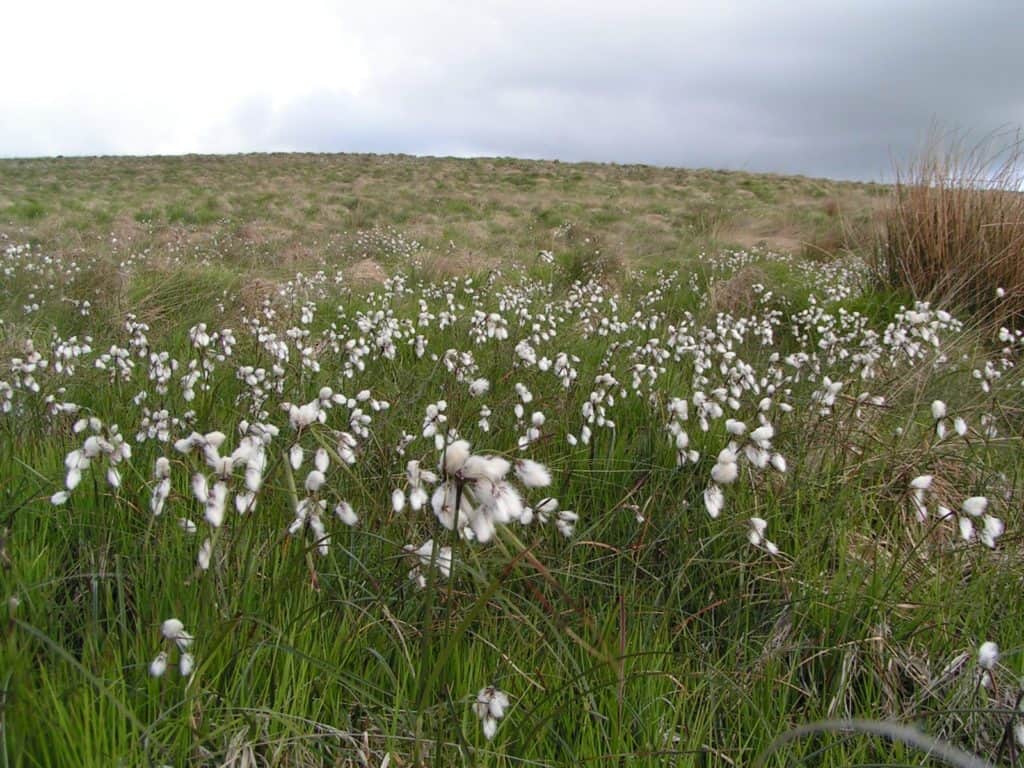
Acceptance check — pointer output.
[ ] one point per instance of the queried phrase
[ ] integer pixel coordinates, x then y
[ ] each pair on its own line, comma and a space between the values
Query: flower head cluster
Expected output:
213, 491
756, 535
475, 497
490, 707
425, 556
175, 638
103, 444
756, 449
940, 417
975, 508
416, 479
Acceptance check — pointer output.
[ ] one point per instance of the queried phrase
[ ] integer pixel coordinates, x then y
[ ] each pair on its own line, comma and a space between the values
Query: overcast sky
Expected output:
824, 87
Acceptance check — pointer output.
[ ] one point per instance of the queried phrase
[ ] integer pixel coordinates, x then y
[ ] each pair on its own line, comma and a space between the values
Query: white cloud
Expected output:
153, 77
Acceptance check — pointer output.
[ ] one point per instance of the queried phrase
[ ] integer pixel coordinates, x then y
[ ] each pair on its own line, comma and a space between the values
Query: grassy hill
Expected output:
275, 210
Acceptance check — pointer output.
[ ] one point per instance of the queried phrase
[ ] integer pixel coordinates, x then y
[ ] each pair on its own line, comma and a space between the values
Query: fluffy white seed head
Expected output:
988, 655
322, 460
315, 481
921, 482
735, 427
532, 474
171, 628
295, 456
200, 488
454, 457
398, 500
158, 666
714, 500
492, 468
346, 514
205, 555
724, 473
975, 506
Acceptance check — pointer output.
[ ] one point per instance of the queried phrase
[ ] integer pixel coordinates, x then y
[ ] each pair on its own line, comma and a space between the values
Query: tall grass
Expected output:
954, 229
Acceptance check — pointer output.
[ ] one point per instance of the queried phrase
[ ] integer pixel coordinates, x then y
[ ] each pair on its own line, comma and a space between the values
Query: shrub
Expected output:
954, 227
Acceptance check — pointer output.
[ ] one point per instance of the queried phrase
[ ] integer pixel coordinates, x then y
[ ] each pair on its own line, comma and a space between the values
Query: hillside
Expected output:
272, 211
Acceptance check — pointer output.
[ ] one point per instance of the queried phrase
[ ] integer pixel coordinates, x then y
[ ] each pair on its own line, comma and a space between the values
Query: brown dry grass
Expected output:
737, 295
954, 229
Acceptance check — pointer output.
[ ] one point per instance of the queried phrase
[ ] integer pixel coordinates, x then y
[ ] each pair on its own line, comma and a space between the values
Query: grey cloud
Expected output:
831, 89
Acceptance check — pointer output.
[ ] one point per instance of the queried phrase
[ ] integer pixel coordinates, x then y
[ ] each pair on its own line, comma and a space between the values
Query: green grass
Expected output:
26, 210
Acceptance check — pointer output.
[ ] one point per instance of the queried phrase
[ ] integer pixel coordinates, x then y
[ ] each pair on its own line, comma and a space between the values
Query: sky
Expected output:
837, 88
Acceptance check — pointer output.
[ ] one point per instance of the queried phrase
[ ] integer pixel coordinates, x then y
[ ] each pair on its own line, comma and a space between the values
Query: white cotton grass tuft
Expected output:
714, 500
171, 628
490, 707
757, 528
176, 639
315, 481
988, 655
992, 529
477, 495
158, 666
778, 462
918, 490
975, 506
425, 553
295, 457
725, 473
397, 500
216, 503
490, 468
532, 474
205, 555
479, 387
346, 513
735, 427
565, 522
321, 460
200, 488
921, 482
454, 457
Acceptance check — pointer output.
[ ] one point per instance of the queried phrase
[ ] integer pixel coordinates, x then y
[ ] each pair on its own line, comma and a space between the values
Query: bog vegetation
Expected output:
343, 477
955, 227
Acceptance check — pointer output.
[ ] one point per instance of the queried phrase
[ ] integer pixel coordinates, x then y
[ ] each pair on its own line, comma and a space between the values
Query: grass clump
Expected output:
27, 210
954, 227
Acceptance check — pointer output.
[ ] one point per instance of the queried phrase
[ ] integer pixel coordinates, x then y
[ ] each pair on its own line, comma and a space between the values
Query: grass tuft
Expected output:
954, 228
